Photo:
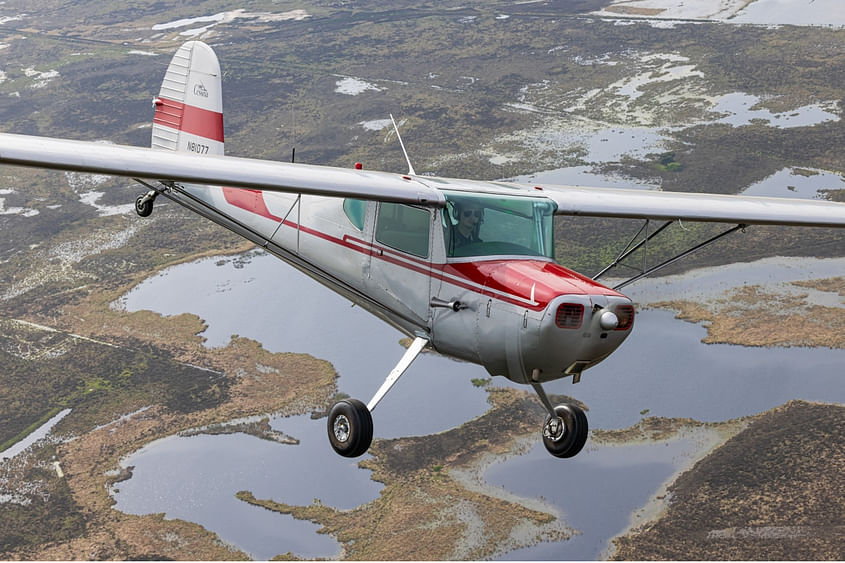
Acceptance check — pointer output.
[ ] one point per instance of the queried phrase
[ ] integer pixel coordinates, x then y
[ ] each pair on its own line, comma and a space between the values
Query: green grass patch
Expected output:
667, 163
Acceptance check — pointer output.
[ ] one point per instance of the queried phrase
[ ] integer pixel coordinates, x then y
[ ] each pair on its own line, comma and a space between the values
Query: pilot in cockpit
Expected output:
470, 216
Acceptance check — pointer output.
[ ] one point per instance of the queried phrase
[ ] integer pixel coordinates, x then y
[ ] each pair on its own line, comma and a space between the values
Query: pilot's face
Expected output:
470, 216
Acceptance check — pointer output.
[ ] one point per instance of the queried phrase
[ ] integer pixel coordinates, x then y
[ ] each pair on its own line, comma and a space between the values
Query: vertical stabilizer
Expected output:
189, 107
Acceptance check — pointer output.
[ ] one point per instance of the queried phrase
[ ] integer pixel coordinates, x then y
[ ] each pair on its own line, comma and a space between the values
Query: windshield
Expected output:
486, 225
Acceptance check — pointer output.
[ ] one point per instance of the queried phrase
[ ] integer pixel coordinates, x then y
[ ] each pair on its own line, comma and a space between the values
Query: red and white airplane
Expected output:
466, 268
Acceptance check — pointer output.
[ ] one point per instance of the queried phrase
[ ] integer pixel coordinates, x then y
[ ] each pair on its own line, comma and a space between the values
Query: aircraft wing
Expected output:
249, 173
654, 204
651, 204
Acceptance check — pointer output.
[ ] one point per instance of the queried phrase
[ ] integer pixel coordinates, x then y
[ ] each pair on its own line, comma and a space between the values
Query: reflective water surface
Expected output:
740, 109
262, 298
37, 434
793, 12
596, 494
662, 367
196, 479
797, 183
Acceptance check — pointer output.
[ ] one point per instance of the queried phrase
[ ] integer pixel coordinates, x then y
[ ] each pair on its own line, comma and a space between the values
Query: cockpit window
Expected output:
404, 228
356, 211
487, 225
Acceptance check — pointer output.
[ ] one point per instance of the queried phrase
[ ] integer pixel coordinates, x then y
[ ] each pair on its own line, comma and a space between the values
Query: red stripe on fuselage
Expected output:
190, 119
513, 281
249, 200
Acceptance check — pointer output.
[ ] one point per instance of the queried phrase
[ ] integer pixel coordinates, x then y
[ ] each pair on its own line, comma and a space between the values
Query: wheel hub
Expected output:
554, 429
341, 428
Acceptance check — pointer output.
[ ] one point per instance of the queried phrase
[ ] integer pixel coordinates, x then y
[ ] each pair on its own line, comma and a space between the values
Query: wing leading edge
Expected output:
652, 204
649, 204
248, 173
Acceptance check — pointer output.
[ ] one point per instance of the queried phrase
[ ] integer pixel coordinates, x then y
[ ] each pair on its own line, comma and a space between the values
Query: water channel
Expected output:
789, 12
662, 367
196, 478
38, 434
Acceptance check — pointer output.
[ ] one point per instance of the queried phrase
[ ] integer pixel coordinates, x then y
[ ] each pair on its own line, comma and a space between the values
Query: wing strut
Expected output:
174, 192
647, 272
628, 250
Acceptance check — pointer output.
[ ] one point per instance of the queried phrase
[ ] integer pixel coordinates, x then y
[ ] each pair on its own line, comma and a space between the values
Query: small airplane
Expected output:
465, 268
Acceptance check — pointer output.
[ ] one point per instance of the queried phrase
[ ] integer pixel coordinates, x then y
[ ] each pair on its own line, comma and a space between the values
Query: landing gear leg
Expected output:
350, 423
565, 429
144, 203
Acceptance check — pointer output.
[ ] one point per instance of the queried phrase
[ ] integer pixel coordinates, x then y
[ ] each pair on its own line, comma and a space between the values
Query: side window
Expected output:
404, 228
355, 210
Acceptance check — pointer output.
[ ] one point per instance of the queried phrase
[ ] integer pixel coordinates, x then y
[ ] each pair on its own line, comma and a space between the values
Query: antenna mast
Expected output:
401, 144
293, 133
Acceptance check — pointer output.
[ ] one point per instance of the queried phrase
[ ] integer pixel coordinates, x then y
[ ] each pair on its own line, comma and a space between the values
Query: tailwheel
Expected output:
350, 427
565, 434
144, 204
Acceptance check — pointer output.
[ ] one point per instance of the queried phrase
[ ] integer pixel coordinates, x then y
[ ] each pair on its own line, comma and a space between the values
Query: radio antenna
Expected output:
401, 144
293, 133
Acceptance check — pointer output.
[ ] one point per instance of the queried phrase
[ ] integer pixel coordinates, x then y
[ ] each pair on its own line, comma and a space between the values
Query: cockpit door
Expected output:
400, 264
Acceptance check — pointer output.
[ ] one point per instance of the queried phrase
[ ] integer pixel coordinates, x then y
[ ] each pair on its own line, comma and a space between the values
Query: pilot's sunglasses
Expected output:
478, 213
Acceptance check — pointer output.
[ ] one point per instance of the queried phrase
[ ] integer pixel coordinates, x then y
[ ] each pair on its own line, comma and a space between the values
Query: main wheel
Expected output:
350, 427
565, 435
144, 205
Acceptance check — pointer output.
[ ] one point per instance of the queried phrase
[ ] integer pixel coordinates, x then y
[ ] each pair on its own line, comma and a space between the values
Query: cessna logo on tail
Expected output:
199, 90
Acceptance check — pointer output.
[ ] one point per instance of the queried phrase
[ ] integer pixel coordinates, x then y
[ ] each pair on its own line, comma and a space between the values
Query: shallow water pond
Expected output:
662, 367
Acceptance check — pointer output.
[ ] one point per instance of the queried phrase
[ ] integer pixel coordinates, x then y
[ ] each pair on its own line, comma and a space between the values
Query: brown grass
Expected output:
260, 382
634, 11
753, 316
423, 513
773, 492
831, 285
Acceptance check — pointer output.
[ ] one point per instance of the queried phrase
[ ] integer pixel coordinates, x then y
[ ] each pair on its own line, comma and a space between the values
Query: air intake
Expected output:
569, 315
626, 317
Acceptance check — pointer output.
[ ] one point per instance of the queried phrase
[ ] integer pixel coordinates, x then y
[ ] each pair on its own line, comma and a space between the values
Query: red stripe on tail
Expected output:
190, 119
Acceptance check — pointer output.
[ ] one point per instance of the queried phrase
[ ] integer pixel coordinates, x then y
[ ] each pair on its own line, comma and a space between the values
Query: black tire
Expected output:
573, 434
144, 207
350, 427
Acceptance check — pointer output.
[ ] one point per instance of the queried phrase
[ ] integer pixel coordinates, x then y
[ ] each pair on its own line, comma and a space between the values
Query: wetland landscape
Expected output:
154, 407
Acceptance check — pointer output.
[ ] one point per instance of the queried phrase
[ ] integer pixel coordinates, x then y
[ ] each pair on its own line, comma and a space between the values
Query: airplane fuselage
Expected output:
506, 306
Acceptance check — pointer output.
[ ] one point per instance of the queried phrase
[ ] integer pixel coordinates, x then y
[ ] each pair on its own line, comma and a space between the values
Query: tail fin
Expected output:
189, 107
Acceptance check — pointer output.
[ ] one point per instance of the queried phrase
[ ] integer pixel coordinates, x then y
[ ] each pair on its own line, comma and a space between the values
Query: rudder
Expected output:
189, 107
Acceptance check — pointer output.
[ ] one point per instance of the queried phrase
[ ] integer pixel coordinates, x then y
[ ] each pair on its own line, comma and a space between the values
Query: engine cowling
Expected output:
536, 323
